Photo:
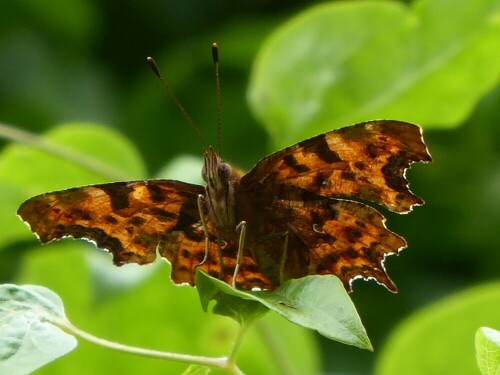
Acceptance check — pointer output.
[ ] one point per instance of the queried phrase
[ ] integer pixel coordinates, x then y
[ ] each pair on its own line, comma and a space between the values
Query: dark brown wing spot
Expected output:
319, 179
334, 212
110, 219
156, 193
78, 213
200, 256
360, 165
325, 153
333, 258
350, 253
118, 194
162, 215
352, 234
348, 175
137, 221
371, 253
372, 150
185, 219
291, 161
317, 219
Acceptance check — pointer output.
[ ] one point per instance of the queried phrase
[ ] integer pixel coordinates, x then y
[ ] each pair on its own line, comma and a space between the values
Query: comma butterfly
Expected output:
294, 214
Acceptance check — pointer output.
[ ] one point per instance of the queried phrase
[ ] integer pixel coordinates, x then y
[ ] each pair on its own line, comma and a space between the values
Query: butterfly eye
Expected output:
224, 171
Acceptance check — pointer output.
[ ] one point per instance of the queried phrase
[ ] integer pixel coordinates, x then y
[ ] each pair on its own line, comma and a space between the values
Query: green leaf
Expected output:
157, 315
86, 153
315, 302
345, 62
320, 303
185, 168
26, 171
29, 335
437, 339
230, 302
488, 351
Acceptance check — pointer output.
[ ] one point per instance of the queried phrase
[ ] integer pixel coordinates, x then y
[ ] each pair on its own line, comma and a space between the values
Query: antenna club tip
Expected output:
152, 64
215, 52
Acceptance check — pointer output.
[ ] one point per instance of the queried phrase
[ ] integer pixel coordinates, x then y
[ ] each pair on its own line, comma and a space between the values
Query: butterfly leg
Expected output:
242, 227
284, 257
205, 228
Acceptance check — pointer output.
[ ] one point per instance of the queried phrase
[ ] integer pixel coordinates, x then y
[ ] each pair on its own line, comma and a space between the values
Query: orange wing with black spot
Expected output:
134, 219
314, 184
364, 161
299, 221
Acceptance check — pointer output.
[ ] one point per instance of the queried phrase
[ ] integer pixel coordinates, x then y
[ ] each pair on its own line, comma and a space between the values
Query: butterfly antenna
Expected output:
156, 70
215, 57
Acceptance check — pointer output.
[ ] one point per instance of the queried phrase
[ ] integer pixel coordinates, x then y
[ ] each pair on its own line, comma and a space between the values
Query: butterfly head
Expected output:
215, 172
222, 181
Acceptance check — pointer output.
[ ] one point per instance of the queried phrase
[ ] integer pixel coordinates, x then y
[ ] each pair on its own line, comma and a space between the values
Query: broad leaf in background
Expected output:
488, 351
438, 339
29, 171
345, 62
29, 335
315, 302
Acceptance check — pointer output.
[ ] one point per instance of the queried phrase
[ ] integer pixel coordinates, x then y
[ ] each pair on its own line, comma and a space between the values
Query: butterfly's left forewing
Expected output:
129, 219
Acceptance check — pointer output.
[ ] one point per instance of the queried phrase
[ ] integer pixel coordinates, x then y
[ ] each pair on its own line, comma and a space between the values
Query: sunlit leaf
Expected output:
345, 62
488, 351
316, 302
29, 337
439, 339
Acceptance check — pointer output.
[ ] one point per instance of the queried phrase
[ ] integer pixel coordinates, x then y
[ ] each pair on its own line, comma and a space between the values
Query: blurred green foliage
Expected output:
439, 338
76, 61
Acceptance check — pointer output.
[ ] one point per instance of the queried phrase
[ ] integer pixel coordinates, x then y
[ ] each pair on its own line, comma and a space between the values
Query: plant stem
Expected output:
225, 363
66, 153
231, 359
185, 358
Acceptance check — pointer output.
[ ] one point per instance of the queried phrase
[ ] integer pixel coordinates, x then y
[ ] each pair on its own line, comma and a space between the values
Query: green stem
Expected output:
185, 358
223, 363
235, 349
66, 153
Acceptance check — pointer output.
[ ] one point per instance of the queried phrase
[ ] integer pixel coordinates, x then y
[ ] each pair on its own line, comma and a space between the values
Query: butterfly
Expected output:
299, 211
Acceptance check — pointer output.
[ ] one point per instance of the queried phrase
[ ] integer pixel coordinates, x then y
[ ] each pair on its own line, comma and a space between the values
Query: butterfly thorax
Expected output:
222, 181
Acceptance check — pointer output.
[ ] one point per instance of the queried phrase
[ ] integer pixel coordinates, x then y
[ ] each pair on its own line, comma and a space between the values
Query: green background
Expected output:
83, 62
